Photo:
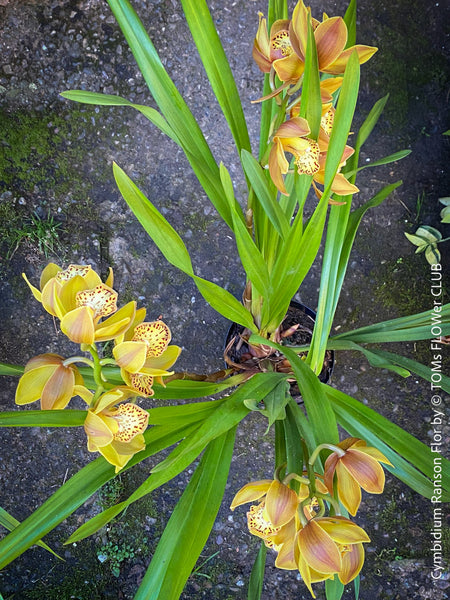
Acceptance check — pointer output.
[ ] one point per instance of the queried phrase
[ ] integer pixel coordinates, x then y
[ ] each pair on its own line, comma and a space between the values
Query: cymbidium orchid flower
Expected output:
280, 501
80, 300
309, 156
48, 379
331, 38
329, 546
356, 466
115, 428
274, 519
146, 355
275, 50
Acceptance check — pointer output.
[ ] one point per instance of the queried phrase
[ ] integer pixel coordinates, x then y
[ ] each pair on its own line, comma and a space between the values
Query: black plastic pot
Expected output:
298, 313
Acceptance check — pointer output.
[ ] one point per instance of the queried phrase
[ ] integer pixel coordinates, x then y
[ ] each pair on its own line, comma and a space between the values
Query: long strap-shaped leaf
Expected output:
9, 522
73, 494
43, 418
322, 422
403, 329
173, 248
171, 104
109, 100
217, 68
337, 222
231, 411
408, 455
190, 524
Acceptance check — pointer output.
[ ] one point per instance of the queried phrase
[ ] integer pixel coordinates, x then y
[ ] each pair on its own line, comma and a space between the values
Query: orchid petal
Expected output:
343, 531
338, 66
331, 37
100, 430
366, 470
58, 390
117, 324
155, 334
78, 325
131, 419
31, 384
281, 503
158, 365
348, 489
48, 273
289, 68
102, 300
318, 549
250, 492
130, 355
374, 453
352, 562
278, 165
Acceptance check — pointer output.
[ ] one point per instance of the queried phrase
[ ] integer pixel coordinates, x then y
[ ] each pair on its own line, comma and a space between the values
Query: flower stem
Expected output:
314, 456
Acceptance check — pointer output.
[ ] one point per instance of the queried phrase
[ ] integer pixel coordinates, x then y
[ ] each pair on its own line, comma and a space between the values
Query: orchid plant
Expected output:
311, 73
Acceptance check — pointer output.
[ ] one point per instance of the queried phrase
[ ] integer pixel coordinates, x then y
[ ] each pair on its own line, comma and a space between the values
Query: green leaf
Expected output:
171, 104
182, 414
174, 250
109, 100
414, 367
407, 454
311, 103
294, 260
190, 524
10, 523
334, 589
249, 253
403, 329
158, 228
217, 68
6, 369
43, 418
343, 117
318, 408
274, 404
256, 580
264, 195
185, 389
227, 416
386, 160
445, 213
432, 255
376, 359
73, 494
350, 21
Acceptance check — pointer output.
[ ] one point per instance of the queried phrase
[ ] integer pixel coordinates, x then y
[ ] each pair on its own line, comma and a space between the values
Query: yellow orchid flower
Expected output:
309, 156
280, 501
356, 466
79, 298
115, 428
274, 519
323, 545
146, 355
47, 379
275, 50
58, 301
331, 38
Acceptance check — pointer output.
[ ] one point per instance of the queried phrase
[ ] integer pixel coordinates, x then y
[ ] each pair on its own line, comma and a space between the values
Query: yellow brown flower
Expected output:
48, 379
356, 466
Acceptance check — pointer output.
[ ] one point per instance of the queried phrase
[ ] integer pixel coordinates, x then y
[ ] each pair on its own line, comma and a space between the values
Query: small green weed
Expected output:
115, 554
40, 233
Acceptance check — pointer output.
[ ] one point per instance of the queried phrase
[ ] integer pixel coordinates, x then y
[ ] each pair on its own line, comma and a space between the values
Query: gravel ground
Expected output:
57, 162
